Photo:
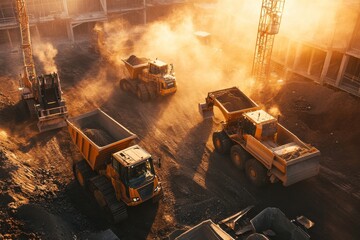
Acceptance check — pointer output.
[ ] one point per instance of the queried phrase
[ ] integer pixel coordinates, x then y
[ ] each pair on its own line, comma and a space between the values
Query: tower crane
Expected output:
269, 25
41, 93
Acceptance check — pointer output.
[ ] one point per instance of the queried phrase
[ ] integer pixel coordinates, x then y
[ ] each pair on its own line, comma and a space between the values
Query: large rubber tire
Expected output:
222, 142
104, 194
142, 93
256, 172
151, 88
124, 85
239, 156
83, 173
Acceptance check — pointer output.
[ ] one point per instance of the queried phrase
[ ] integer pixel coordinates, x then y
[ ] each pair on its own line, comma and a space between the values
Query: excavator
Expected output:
42, 93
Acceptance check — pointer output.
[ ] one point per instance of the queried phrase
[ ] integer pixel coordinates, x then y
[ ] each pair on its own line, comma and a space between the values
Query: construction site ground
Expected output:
39, 198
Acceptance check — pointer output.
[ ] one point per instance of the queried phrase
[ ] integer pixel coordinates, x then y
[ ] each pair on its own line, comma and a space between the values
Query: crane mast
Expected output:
269, 25
28, 79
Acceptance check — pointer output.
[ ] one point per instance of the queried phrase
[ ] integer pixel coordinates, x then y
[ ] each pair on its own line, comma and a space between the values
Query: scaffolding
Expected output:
269, 25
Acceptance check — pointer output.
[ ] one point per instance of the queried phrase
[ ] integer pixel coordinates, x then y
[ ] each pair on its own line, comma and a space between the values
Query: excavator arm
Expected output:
29, 77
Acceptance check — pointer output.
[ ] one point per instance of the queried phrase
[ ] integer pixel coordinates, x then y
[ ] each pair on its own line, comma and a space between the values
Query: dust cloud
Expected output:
46, 53
274, 111
200, 64
95, 88
225, 58
228, 56
326, 22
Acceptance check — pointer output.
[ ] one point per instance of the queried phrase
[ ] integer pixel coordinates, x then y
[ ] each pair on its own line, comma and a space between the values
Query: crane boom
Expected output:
29, 66
269, 25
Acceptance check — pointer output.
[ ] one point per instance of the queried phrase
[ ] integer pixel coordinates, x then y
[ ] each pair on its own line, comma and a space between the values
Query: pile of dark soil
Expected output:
99, 136
233, 100
134, 60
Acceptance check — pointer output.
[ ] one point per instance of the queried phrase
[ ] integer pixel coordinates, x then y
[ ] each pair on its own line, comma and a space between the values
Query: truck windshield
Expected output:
139, 173
164, 70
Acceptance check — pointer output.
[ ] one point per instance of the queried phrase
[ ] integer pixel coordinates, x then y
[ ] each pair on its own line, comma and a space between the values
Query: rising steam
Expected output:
46, 54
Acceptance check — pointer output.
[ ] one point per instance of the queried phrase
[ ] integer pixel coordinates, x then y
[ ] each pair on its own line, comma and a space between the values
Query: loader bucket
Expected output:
52, 118
206, 111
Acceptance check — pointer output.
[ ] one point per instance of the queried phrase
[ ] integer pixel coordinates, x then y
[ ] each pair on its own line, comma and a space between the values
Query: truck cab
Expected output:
133, 176
165, 76
260, 125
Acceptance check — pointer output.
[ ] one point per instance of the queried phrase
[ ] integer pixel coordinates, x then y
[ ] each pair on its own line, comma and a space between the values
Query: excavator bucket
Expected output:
52, 118
206, 111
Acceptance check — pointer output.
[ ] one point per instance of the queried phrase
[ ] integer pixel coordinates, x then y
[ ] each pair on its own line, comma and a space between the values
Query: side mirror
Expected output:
159, 162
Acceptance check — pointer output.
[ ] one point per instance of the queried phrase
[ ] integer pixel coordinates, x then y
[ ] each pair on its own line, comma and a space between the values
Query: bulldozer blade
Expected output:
52, 122
47, 124
206, 111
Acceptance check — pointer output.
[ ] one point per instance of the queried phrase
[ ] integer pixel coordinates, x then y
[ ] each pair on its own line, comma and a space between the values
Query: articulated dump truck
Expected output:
117, 172
148, 78
257, 142
270, 223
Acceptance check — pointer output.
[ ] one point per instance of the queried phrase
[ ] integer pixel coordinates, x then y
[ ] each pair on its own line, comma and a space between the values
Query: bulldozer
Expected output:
148, 78
42, 93
257, 142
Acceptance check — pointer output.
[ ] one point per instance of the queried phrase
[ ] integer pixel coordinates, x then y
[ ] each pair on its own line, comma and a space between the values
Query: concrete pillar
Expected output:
70, 31
37, 32
66, 9
287, 54
311, 61
325, 66
343, 65
297, 56
104, 5
9, 37
145, 16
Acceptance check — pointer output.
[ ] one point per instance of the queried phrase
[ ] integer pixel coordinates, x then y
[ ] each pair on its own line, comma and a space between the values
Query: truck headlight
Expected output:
157, 187
136, 199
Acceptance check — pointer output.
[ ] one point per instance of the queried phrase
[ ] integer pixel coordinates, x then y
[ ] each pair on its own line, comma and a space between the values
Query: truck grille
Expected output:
146, 192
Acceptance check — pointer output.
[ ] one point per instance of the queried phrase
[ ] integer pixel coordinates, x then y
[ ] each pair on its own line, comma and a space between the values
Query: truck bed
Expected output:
288, 158
134, 65
97, 136
232, 102
232, 99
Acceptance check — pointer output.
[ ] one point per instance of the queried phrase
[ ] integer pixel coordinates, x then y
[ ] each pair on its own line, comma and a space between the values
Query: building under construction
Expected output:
330, 55
70, 19
334, 60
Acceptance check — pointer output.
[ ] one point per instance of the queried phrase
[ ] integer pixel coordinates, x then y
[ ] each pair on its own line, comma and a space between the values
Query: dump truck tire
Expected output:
104, 194
124, 85
83, 173
142, 93
222, 142
256, 172
239, 156
151, 88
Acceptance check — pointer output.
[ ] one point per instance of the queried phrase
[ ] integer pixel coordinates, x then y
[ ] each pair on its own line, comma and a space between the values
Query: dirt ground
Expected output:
39, 198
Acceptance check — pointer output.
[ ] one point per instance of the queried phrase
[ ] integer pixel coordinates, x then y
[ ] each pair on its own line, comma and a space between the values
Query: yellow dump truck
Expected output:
148, 78
257, 142
117, 172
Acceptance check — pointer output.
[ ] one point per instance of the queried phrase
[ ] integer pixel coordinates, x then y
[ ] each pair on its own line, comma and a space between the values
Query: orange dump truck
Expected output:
117, 172
148, 78
257, 142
